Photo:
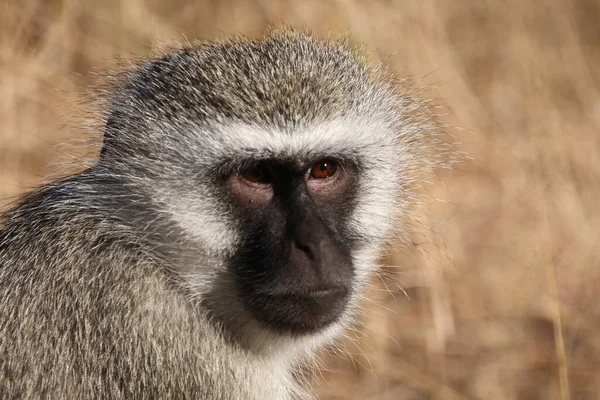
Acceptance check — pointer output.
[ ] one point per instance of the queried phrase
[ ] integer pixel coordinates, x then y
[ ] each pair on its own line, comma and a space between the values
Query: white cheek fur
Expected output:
199, 215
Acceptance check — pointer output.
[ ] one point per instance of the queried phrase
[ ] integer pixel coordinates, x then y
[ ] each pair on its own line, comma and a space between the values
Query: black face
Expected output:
294, 270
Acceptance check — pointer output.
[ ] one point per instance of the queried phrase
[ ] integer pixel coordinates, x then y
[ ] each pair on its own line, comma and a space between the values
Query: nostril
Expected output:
311, 249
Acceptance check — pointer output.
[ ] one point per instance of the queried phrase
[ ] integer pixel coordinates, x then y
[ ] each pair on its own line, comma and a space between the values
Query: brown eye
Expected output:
257, 175
323, 170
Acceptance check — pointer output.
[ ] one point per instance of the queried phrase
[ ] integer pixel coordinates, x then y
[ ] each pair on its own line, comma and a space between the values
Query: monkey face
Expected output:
294, 267
277, 166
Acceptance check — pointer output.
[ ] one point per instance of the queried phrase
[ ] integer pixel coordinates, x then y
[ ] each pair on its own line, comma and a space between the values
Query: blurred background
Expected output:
500, 301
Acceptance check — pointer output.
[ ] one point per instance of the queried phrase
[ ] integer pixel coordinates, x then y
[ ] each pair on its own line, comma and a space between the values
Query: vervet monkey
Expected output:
243, 194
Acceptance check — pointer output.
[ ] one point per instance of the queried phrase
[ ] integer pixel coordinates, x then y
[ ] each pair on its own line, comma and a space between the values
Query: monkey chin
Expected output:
283, 323
285, 340
298, 313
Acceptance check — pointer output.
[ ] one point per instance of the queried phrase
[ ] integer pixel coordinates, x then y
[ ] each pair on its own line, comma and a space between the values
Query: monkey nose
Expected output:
310, 248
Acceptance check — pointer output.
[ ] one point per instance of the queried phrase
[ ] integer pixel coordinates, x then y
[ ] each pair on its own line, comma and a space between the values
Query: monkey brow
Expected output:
343, 140
229, 165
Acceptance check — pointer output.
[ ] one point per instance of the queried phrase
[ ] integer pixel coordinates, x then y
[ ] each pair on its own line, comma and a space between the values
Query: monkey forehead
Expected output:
285, 79
362, 141
287, 95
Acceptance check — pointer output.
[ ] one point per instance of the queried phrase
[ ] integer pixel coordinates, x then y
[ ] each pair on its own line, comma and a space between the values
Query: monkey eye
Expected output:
323, 170
258, 175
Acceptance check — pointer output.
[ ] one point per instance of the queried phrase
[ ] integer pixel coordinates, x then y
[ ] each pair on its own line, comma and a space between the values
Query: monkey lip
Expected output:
300, 310
317, 292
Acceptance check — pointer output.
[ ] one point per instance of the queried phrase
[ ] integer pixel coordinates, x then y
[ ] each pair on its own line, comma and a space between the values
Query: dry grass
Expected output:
512, 313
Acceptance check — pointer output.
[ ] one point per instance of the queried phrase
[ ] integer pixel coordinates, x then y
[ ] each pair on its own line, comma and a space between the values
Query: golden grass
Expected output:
502, 304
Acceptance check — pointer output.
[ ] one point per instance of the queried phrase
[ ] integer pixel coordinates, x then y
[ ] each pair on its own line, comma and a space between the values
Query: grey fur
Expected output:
112, 283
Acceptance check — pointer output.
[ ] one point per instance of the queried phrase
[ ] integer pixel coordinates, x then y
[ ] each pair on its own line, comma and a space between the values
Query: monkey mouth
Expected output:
300, 311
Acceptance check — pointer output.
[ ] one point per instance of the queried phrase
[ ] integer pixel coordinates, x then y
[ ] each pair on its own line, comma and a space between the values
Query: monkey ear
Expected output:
114, 137
108, 135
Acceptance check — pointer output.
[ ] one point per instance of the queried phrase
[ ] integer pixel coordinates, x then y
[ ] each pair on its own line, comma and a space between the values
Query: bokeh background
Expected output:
500, 298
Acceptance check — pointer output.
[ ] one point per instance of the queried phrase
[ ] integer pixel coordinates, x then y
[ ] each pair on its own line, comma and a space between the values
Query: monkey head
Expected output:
280, 162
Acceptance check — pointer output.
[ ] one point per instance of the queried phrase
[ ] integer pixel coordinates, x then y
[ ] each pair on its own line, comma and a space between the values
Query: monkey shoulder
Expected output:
86, 311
